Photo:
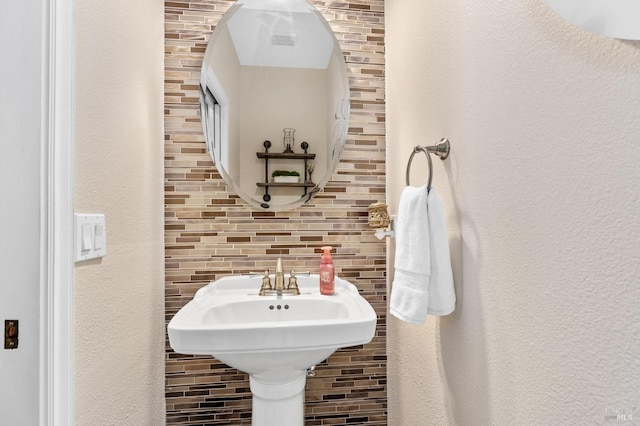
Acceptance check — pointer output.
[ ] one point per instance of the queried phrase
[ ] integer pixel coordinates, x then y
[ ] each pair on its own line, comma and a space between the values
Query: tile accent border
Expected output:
210, 232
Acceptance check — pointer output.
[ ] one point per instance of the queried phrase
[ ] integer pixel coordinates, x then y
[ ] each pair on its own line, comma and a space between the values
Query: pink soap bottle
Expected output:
327, 272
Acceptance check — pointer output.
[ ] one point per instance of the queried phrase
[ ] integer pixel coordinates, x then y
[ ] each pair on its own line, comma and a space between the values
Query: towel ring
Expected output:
417, 149
441, 150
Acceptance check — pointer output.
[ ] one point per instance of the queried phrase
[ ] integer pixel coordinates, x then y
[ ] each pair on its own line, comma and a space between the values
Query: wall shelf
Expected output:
287, 185
285, 155
266, 156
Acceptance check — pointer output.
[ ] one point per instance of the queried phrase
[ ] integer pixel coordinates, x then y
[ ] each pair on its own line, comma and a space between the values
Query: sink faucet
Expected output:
279, 288
279, 278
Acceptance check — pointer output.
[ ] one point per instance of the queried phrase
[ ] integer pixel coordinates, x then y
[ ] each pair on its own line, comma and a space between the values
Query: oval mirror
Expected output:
274, 101
617, 18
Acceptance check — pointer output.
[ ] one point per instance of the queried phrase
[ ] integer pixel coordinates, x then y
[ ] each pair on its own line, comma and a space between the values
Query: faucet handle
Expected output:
266, 284
293, 284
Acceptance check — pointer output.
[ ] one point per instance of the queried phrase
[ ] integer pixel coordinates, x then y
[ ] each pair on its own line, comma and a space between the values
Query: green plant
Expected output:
284, 173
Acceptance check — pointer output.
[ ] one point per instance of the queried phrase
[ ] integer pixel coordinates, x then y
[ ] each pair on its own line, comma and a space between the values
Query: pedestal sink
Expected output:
273, 338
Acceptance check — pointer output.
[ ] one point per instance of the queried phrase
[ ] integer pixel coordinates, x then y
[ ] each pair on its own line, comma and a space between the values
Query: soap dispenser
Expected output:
327, 272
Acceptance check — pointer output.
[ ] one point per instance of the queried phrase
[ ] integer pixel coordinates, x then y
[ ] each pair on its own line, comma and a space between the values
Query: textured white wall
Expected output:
119, 320
542, 191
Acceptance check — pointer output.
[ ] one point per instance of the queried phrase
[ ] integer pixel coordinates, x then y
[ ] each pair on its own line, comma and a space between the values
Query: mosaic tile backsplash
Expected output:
210, 232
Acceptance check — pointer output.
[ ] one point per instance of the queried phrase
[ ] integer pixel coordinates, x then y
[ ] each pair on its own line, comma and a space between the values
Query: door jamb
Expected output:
56, 236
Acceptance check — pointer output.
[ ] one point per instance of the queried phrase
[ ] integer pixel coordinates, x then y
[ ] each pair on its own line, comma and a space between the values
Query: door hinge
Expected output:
11, 334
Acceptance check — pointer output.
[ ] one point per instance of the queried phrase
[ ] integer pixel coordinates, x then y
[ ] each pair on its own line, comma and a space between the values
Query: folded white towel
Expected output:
423, 281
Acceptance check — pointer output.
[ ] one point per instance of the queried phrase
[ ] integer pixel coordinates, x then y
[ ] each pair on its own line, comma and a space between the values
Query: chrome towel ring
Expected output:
441, 150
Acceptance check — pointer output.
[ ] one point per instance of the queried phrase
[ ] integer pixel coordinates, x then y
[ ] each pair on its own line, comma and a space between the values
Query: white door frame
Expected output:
56, 237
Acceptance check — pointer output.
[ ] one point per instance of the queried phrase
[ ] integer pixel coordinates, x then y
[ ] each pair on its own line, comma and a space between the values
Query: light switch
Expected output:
86, 238
98, 242
90, 236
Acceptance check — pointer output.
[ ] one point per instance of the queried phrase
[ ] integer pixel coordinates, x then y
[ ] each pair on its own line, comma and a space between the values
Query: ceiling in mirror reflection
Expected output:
285, 39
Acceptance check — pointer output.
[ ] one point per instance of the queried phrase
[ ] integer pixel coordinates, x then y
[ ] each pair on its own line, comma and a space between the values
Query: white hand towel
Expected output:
442, 296
423, 281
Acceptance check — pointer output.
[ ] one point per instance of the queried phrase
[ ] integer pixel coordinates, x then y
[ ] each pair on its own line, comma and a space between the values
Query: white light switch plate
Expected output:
90, 236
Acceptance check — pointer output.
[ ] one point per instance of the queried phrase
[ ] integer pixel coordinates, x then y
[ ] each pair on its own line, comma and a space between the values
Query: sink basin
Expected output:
274, 338
228, 316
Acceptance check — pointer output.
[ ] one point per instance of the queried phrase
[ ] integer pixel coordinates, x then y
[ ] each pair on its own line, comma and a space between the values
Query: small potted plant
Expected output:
285, 176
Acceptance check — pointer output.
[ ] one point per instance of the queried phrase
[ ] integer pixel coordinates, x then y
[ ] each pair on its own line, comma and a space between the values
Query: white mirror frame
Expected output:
611, 18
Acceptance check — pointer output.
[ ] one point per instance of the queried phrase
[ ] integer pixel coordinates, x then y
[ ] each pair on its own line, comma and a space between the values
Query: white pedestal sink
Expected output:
273, 338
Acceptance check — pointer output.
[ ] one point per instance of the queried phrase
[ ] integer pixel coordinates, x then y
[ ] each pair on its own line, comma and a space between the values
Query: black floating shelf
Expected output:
287, 185
289, 155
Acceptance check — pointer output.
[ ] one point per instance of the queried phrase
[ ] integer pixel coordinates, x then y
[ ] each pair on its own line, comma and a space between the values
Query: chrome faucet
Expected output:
279, 288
